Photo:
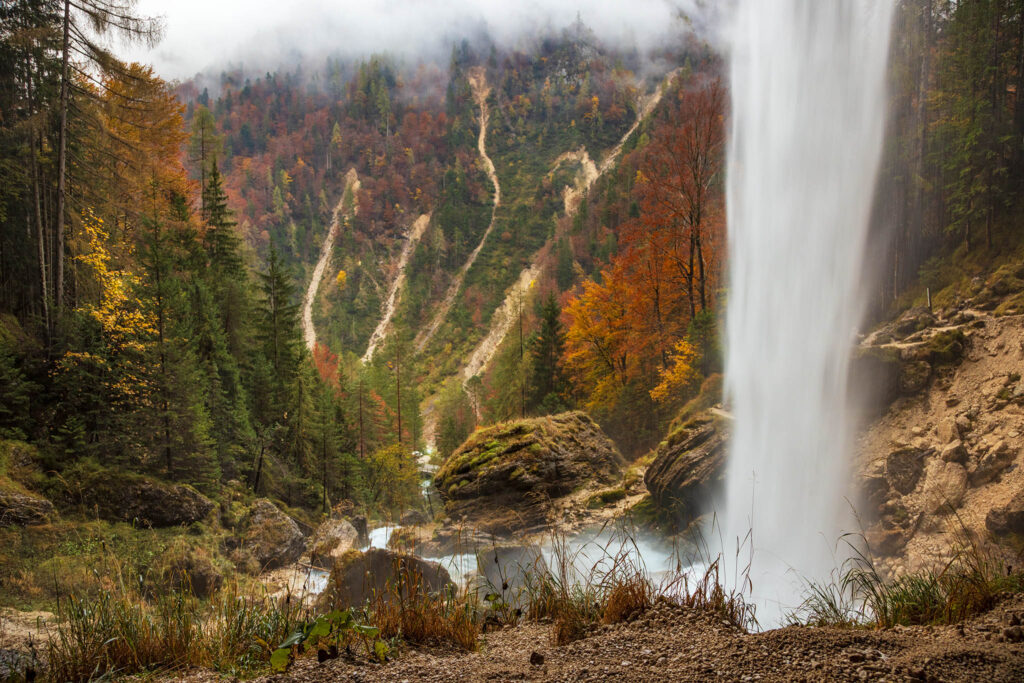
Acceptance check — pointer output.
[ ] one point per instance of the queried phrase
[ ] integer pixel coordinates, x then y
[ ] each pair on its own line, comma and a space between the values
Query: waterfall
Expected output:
808, 114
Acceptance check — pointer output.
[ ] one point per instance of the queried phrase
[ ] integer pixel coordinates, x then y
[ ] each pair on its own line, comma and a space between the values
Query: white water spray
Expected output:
808, 114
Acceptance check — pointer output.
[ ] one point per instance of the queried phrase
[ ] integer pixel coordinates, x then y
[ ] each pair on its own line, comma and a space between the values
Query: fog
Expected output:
202, 36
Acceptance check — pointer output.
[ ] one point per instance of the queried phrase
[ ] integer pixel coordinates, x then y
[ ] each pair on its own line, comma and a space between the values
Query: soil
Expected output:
670, 643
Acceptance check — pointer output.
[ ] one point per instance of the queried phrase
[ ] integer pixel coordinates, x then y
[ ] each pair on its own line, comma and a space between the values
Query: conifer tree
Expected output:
547, 382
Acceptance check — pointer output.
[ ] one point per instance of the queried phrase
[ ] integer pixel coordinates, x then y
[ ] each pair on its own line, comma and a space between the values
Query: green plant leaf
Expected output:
366, 631
280, 659
293, 639
321, 628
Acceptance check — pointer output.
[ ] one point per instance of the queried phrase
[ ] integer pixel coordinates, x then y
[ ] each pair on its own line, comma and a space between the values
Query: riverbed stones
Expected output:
272, 537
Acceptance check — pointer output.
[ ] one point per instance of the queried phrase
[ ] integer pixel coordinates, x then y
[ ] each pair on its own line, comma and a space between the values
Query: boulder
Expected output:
413, 518
904, 467
886, 542
992, 463
361, 577
954, 452
332, 539
21, 508
945, 485
503, 478
914, 376
362, 529
1009, 518
124, 497
875, 491
504, 570
687, 469
189, 568
272, 537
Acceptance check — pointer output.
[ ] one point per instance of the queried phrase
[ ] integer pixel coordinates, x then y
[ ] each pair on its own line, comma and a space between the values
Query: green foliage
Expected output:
339, 626
548, 387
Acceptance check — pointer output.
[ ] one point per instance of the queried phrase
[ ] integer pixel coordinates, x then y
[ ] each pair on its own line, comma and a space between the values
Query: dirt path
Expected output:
351, 189
416, 231
671, 643
478, 82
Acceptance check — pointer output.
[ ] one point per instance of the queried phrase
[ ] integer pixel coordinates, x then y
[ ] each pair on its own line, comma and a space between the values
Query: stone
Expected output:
886, 542
954, 452
904, 467
184, 567
944, 487
272, 537
21, 508
504, 479
963, 425
536, 658
414, 518
992, 463
332, 539
946, 430
875, 491
361, 577
362, 528
1008, 518
124, 497
914, 376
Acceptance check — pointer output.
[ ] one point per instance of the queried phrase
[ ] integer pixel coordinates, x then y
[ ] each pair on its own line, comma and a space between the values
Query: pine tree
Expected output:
547, 383
278, 330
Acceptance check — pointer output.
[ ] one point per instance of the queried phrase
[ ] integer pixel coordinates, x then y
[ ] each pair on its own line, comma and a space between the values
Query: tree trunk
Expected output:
62, 158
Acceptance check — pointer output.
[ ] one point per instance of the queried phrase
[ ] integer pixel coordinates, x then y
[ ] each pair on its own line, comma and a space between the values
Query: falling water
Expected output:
808, 110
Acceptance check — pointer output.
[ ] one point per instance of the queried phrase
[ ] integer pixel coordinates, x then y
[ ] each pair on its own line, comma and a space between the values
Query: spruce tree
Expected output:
547, 383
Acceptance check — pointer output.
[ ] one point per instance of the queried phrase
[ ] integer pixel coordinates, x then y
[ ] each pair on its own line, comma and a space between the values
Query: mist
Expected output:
202, 36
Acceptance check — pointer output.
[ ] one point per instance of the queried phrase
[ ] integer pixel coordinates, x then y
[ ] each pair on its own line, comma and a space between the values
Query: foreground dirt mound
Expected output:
670, 643
503, 478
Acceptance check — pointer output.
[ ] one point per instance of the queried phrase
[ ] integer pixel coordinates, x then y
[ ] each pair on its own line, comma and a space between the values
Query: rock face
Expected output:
332, 539
20, 508
132, 498
502, 479
359, 577
688, 467
272, 537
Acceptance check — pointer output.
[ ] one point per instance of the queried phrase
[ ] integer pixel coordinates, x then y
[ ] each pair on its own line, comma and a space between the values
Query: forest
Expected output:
157, 239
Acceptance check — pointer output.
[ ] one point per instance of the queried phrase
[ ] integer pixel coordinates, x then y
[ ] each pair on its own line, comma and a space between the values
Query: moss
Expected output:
946, 347
605, 498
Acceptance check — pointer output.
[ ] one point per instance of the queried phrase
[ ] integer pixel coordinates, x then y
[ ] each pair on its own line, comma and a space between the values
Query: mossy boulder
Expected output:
185, 566
272, 537
119, 496
502, 479
361, 577
332, 539
21, 508
688, 468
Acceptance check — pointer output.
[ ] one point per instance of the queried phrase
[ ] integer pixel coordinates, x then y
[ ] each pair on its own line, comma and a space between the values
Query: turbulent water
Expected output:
808, 110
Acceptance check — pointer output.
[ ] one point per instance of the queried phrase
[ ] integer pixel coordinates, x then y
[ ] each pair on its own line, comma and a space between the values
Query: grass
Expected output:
968, 584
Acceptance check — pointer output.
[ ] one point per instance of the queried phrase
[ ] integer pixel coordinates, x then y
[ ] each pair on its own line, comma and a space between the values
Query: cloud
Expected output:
203, 35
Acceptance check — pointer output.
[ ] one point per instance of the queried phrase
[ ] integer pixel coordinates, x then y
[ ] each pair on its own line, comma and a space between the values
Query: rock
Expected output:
124, 497
413, 518
875, 491
359, 577
874, 378
332, 539
362, 529
947, 431
185, 567
963, 425
944, 487
1008, 518
992, 463
536, 658
914, 376
954, 452
21, 508
687, 469
886, 542
503, 569
273, 538
503, 478
904, 467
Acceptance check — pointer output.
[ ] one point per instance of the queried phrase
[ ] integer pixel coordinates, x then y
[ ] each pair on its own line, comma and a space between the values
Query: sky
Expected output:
207, 35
